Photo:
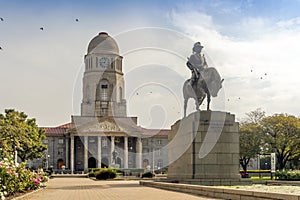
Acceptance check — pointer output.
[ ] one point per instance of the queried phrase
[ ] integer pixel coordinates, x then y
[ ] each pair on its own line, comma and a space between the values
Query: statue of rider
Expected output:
196, 63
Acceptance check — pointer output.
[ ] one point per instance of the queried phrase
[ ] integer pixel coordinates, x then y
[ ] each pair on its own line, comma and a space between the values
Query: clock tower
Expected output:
103, 82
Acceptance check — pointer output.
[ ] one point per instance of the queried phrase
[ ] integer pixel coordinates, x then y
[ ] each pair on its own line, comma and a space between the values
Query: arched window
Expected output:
104, 90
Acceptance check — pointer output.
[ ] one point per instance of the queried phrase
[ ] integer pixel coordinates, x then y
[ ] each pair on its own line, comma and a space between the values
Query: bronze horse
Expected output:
208, 84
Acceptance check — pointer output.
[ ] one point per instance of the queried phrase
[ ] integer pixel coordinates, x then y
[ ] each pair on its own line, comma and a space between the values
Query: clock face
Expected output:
104, 62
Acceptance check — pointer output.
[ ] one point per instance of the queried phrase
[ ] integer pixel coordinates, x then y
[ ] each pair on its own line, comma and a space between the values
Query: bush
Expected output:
92, 174
16, 178
288, 175
106, 173
147, 175
94, 169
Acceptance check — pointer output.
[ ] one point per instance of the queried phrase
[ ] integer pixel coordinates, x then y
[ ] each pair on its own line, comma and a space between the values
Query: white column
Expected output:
112, 148
139, 149
125, 152
72, 154
67, 153
99, 152
86, 150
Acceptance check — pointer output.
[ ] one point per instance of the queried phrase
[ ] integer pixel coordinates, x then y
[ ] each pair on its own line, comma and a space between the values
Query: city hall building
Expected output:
103, 135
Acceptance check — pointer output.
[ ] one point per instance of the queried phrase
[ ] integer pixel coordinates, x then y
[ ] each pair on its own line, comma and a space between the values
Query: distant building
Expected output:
103, 135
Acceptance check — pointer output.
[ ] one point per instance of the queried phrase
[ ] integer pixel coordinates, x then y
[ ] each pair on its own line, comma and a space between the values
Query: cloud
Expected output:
262, 70
38, 68
290, 23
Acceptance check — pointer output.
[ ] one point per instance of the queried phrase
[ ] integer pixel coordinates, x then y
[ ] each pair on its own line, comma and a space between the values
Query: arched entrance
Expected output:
60, 163
92, 162
104, 162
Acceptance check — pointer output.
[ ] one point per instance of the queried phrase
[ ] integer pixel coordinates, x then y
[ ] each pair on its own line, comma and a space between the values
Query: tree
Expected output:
250, 137
21, 134
282, 136
250, 142
255, 116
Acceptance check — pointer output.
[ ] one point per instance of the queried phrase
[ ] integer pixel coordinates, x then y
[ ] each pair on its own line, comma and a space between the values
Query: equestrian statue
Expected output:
205, 81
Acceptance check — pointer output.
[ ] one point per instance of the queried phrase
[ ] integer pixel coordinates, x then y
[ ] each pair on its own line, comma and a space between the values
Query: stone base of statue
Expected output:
204, 149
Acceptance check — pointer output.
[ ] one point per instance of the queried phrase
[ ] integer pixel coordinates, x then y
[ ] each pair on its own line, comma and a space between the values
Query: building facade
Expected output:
103, 135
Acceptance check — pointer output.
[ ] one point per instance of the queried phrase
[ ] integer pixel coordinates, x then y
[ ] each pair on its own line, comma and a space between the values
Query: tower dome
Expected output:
104, 44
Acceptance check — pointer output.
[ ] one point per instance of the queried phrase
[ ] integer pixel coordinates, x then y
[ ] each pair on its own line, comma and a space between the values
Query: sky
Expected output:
254, 44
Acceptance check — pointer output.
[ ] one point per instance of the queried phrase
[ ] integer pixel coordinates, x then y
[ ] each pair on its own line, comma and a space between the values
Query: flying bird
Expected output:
77, 20
41, 28
1, 48
261, 77
1, 19
251, 70
137, 93
265, 74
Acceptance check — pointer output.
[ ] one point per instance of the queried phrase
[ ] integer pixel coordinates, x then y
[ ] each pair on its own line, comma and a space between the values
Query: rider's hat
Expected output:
197, 47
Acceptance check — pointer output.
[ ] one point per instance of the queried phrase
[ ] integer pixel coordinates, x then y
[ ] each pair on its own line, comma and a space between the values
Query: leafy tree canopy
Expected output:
250, 137
250, 142
279, 133
282, 136
21, 134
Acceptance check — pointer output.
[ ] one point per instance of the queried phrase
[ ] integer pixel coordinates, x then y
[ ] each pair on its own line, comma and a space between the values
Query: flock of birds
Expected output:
239, 98
41, 28
77, 20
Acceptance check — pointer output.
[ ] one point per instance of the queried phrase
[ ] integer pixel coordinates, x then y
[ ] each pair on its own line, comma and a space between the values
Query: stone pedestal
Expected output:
204, 149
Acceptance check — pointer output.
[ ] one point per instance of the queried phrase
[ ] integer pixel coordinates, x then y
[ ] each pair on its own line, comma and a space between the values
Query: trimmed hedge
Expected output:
288, 175
147, 175
92, 171
123, 171
106, 173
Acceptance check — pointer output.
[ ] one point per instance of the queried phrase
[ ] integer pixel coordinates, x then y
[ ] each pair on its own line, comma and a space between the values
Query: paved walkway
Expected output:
87, 189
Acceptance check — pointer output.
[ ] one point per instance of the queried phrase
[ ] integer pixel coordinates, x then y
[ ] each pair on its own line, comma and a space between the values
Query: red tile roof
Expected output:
57, 131
67, 125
